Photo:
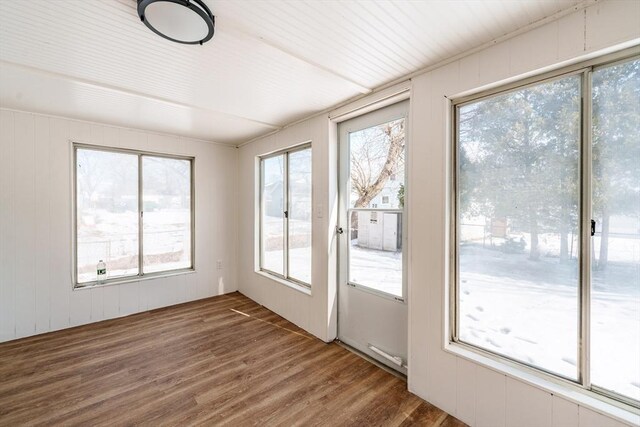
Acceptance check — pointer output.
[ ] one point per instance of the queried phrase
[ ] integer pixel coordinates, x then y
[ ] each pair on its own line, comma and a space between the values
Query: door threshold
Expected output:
372, 360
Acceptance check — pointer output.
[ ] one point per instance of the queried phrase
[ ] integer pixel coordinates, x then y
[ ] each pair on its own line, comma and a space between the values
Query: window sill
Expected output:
120, 281
285, 282
562, 388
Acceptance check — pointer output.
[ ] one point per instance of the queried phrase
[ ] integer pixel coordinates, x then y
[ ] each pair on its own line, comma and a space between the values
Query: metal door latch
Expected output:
593, 227
339, 230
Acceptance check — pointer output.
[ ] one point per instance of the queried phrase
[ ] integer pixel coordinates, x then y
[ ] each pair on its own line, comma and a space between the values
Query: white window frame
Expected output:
501, 362
141, 275
284, 278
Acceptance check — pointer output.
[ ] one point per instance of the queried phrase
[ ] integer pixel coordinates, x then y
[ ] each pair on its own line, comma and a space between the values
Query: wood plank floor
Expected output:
220, 361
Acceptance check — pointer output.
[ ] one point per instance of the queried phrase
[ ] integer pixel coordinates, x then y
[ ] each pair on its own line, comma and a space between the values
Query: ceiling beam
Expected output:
238, 29
113, 88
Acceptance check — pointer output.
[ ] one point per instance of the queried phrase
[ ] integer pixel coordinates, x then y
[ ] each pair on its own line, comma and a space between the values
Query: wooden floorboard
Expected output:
220, 361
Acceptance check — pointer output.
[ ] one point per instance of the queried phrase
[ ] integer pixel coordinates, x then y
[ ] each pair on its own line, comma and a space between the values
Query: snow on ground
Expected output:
299, 263
380, 270
113, 237
528, 310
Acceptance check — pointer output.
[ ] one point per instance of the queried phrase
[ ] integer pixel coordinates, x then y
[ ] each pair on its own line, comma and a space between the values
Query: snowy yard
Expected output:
528, 310
380, 270
113, 237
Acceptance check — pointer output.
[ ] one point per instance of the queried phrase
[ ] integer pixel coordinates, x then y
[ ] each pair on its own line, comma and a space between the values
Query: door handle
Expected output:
593, 228
339, 230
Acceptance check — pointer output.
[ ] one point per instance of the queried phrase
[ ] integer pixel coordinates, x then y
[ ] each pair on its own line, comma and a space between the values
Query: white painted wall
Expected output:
476, 394
310, 312
36, 169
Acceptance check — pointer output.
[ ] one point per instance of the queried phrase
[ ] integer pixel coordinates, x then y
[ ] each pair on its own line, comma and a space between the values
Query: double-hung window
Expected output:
285, 214
546, 230
133, 212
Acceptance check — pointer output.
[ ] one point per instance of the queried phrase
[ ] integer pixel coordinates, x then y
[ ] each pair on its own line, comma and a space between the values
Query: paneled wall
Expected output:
478, 395
36, 169
474, 393
311, 312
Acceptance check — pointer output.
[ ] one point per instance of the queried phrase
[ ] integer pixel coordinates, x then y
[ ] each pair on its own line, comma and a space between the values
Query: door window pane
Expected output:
376, 162
518, 204
615, 279
107, 213
272, 220
300, 215
166, 189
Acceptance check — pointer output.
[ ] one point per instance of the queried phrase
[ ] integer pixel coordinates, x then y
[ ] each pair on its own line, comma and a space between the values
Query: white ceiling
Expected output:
269, 63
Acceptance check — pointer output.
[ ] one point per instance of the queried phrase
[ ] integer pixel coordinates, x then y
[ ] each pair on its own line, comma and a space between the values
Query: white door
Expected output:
372, 291
390, 233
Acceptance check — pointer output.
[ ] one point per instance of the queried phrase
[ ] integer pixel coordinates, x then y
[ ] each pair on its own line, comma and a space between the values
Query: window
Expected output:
522, 226
385, 200
615, 266
285, 215
134, 212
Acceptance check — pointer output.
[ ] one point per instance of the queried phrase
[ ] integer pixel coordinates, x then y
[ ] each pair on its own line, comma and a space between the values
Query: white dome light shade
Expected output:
182, 21
175, 21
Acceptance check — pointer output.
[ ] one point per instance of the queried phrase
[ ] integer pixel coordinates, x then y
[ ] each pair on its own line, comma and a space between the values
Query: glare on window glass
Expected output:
272, 215
107, 213
300, 215
166, 189
615, 277
517, 223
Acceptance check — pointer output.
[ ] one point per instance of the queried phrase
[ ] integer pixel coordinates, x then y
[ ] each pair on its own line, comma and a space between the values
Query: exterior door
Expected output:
372, 291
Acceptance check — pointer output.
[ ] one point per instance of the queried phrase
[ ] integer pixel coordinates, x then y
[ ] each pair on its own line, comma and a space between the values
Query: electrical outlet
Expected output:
219, 264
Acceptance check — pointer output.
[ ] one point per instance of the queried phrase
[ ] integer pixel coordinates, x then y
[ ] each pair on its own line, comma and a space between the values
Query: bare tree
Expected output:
377, 157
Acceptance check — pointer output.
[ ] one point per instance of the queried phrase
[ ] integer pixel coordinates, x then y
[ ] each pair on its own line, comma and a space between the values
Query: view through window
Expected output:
285, 215
518, 201
109, 220
615, 263
376, 202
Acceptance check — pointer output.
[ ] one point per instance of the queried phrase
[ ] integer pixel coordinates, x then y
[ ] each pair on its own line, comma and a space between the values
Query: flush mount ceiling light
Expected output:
181, 21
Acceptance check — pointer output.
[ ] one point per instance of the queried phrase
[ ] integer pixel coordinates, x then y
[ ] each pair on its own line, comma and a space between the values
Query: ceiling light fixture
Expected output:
181, 21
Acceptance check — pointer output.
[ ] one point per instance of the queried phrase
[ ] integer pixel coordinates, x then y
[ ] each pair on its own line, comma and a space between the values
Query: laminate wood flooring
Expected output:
219, 361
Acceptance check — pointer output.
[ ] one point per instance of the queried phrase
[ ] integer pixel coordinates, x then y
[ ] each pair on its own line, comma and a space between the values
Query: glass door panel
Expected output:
376, 201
